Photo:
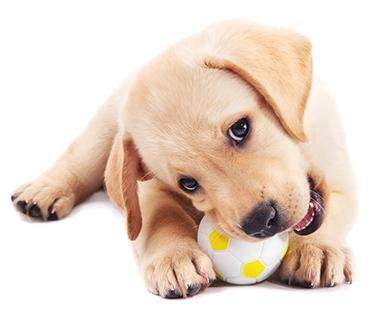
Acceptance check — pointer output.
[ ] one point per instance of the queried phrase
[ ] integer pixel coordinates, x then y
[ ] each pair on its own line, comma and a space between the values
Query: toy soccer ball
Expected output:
240, 262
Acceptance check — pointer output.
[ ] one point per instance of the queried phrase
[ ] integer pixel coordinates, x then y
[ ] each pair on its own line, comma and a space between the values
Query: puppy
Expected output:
228, 123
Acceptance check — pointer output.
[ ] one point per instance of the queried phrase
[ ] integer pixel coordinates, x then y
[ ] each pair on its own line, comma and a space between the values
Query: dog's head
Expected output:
219, 117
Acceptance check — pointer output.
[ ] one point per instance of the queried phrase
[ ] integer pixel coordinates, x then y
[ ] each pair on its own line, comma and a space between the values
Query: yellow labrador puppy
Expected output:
227, 123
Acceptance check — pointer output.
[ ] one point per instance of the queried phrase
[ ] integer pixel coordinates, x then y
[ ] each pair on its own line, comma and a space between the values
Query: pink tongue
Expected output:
307, 219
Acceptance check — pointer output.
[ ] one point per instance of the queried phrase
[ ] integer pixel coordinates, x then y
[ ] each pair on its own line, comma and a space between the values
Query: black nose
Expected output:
262, 221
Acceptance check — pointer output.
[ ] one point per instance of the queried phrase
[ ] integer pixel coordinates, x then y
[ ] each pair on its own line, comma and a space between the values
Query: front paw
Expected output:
179, 272
45, 198
315, 264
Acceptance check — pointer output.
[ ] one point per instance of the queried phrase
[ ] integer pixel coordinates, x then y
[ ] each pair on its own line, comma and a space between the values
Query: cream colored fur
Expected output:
170, 119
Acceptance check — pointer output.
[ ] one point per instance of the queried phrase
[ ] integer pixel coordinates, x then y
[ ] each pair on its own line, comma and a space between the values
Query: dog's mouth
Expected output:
314, 216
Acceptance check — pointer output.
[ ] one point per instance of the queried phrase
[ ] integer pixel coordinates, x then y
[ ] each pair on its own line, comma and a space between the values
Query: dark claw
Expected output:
193, 289
52, 216
34, 211
13, 197
306, 284
210, 281
172, 294
22, 206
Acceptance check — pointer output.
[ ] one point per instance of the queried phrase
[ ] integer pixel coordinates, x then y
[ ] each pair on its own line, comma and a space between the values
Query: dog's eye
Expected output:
188, 184
239, 130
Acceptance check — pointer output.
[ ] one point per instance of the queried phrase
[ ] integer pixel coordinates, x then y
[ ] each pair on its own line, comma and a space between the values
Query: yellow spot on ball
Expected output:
219, 276
253, 269
218, 242
285, 250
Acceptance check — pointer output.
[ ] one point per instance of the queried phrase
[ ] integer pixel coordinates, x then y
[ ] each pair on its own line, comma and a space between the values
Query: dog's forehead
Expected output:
186, 91
192, 101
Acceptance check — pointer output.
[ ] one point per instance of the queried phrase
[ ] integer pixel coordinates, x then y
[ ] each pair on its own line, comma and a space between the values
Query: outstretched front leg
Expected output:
76, 174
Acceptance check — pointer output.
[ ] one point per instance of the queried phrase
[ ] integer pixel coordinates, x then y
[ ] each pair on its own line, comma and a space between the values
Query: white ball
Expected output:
241, 262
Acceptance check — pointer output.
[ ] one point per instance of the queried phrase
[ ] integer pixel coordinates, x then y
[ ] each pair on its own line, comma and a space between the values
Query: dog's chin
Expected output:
314, 216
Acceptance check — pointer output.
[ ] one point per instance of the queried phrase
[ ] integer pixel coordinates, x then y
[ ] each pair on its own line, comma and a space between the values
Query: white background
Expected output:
59, 61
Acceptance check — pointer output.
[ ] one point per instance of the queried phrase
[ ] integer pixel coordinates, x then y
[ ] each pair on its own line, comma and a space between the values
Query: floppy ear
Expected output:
124, 169
276, 62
